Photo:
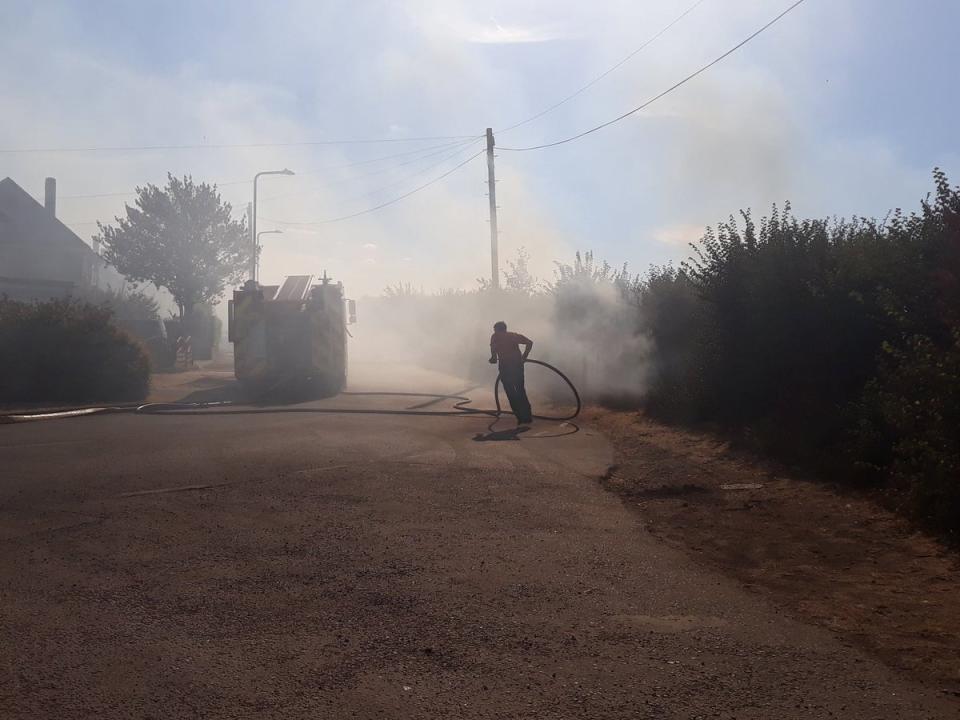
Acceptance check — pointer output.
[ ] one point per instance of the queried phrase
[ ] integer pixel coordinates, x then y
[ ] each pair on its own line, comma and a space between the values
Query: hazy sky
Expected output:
843, 107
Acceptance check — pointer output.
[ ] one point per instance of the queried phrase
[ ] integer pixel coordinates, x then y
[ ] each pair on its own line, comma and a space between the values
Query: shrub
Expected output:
834, 343
137, 314
907, 426
670, 317
67, 351
134, 312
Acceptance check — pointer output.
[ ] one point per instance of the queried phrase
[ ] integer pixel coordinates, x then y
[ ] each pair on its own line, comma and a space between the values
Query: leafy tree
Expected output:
585, 271
401, 290
181, 237
518, 278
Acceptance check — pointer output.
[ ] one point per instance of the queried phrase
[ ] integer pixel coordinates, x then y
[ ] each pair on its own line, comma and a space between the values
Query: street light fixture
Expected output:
253, 219
256, 251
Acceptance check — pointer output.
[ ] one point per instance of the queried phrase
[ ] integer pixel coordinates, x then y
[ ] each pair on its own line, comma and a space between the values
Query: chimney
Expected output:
50, 195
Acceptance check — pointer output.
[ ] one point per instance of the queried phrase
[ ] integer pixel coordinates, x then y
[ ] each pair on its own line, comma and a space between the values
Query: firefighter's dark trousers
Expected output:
511, 375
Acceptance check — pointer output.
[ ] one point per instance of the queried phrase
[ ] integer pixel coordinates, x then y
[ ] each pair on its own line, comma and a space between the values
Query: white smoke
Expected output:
588, 327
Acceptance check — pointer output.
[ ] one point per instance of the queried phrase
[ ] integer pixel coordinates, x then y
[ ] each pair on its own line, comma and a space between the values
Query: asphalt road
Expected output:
376, 566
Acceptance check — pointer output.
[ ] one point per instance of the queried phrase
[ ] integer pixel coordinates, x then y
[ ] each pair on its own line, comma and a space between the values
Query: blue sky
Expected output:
843, 108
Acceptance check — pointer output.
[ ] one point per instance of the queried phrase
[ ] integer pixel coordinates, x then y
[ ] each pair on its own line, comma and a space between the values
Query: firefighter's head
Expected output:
500, 326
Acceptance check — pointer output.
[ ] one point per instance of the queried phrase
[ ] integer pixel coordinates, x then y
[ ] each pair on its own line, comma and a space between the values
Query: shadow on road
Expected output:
232, 391
498, 435
564, 428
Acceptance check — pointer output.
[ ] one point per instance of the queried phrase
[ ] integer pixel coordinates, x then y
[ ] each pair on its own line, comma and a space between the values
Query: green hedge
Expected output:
67, 351
832, 344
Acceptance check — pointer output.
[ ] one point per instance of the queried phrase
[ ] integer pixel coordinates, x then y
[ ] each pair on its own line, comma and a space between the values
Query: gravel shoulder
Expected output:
829, 556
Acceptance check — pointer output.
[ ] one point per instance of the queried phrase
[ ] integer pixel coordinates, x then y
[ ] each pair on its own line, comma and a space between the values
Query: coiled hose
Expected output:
229, 407
573, 388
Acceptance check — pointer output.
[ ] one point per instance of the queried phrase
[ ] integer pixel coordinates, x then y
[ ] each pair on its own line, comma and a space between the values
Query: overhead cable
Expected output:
447, 155
230, 146
425, 152
439, 148
652, 100
602, 75
134, 192
383, 204
417, 173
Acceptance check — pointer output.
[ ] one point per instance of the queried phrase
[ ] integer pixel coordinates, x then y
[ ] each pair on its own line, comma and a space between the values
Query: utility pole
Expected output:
492, 194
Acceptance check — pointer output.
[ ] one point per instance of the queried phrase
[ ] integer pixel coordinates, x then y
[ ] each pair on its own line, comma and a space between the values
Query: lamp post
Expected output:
256, 251
253, 219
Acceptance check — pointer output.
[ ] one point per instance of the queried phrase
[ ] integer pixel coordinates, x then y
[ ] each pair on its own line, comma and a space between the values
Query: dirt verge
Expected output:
828, 556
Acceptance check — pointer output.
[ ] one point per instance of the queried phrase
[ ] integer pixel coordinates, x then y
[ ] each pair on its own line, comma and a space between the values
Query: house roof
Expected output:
23, 219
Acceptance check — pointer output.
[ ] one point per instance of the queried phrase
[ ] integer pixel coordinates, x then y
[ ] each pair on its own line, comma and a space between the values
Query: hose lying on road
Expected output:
229, 407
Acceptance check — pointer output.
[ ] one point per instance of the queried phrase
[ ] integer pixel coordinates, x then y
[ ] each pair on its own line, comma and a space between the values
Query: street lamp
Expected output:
256, 250
253, 219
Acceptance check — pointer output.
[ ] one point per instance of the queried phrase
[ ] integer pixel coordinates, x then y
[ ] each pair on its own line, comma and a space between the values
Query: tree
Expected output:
180, 237
518, 278
401, 290
586, 272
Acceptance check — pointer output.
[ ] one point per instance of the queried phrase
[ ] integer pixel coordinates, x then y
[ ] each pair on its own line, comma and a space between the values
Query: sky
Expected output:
842, 108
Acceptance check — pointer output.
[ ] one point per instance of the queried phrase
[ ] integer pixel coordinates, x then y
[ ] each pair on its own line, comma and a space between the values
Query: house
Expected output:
40, 257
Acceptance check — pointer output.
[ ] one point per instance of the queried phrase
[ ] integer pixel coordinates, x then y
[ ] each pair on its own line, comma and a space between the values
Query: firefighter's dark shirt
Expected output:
506, 346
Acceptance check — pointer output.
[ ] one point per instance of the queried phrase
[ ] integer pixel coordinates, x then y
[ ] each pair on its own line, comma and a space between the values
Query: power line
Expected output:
376, 207
463, 141
441, 148
602, 75
388, 202
435, 150
458, 148
96, 195
134, 192
669, 90
228, 146
417, 173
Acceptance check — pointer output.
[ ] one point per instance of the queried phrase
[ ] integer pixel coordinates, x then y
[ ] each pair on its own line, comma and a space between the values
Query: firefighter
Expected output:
505, 348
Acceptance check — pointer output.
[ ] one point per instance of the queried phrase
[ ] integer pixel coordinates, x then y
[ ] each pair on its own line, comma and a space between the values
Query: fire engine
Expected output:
292, 335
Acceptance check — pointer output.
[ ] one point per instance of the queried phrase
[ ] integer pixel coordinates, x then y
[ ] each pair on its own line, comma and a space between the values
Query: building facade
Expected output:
40, 257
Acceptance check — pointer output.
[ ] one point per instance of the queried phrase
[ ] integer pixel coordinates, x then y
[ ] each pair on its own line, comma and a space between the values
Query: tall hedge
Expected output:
833, 343
67, 351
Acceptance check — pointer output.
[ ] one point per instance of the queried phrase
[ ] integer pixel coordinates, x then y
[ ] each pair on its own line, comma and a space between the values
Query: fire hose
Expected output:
573, 388
229, 407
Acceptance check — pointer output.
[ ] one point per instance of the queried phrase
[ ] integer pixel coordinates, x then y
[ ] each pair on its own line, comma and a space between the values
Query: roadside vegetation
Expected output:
833, 344
830, 344
68, 350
